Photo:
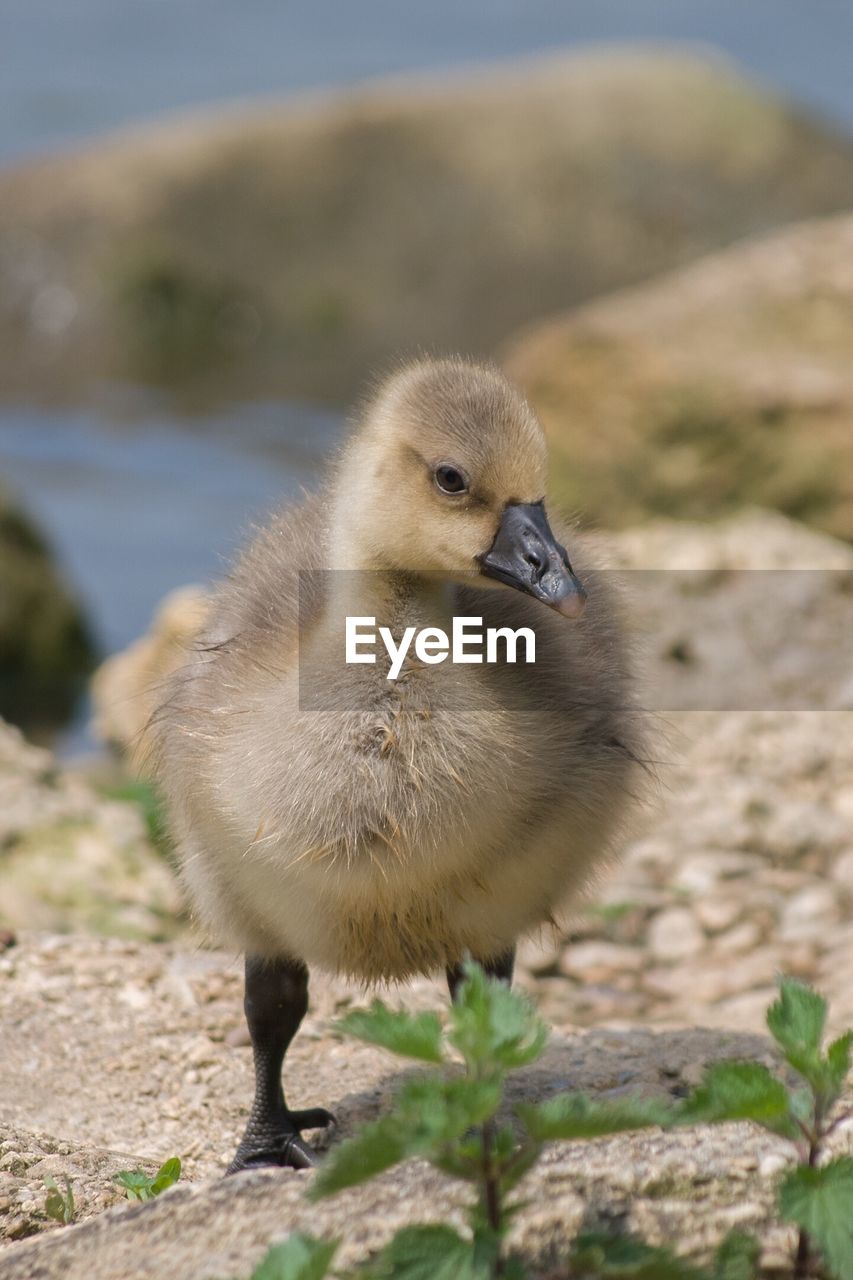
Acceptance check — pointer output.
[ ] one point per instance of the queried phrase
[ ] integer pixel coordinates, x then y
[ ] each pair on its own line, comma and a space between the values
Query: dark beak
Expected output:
526, 555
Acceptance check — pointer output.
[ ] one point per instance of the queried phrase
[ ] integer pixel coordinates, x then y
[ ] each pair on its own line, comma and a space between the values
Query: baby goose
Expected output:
328, 815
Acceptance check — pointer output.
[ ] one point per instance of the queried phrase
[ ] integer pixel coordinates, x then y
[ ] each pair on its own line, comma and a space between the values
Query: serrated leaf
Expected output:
737, 1257
575, 1115
740, 1091
429, 1253
821, 1202
492, 1025
300, 1257
603, 1257
838, 1061
520, 1165
371, 1151
796, 1020
801, 1105
412, 1035
433, 1111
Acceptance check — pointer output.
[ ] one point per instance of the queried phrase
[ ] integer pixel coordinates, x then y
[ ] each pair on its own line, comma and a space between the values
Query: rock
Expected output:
125, 687
843, 804
842, 869
702, 872
599, 961
717, 914
810, 914
45, 647
674, 934
274, 251
721, 385
71, 858
107, 1089
743, 937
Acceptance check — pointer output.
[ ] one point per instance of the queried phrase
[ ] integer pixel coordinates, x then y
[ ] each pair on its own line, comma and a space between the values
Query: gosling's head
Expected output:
447, 475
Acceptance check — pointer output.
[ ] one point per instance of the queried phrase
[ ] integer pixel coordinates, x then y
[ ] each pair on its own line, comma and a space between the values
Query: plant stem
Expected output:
492, 1195
802, 1262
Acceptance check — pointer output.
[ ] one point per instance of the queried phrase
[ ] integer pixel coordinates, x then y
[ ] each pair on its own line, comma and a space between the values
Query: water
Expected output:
136, 509
72, 68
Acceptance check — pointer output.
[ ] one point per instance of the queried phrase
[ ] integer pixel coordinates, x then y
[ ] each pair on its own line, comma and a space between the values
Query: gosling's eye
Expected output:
450, 479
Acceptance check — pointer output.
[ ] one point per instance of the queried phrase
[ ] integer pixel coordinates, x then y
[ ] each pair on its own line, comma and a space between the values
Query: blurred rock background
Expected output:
654, 240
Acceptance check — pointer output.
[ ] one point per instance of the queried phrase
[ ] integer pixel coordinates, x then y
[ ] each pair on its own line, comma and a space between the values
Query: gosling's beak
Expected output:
526, 555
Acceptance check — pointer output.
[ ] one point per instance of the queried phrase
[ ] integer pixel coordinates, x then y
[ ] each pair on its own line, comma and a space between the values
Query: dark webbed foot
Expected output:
275, 1003
278, 1141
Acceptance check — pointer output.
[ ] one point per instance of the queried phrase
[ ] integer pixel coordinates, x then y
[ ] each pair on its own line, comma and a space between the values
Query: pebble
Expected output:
842, 802
743, 937
701, 873
717, 914
771, 1165
809, 914
842, 868
675, 934
598, 961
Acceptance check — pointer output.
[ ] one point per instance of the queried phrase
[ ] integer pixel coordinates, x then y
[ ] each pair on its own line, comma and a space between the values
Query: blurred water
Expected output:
135, 509
70, 68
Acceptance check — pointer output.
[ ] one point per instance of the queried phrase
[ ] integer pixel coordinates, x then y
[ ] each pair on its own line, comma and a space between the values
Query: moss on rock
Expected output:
45, 647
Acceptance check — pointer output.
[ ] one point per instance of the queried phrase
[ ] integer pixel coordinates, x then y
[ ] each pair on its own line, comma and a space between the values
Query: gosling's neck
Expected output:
363, 579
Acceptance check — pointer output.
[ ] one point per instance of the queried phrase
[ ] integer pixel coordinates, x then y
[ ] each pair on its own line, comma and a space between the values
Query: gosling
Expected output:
379, 828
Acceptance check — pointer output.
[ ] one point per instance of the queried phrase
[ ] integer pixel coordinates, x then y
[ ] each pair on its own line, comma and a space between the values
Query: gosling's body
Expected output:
449, 811
330, 817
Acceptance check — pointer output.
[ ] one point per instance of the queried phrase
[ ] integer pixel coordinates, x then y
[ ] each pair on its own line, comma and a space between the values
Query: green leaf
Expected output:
166, 1176
57, 1206
838, 1061
371, 1151
412, 1035
574, 1115
821, 1202
299, 1257
140, 1186
740, 1091
136, 1183
602, 1256
433, 1111
429, 1253
520, 1165
796, 1021
737, 1257
492, 1025
430, 1113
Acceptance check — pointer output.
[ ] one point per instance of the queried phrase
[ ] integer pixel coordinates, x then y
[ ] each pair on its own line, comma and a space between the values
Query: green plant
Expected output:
59, 1205
138, 1185
299, 1257
450, 1118
817, 1195
598, 1256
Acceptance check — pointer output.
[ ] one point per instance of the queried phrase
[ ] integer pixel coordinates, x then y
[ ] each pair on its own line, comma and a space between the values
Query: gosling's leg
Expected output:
276, 1001
500, 967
